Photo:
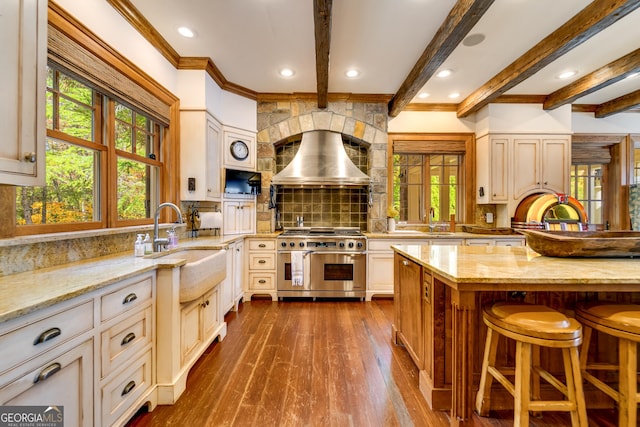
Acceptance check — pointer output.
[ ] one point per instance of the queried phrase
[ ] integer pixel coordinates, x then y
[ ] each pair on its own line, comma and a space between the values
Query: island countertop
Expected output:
439, 290
475, 267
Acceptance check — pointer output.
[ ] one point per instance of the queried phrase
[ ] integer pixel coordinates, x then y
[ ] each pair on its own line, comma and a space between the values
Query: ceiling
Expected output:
399, 45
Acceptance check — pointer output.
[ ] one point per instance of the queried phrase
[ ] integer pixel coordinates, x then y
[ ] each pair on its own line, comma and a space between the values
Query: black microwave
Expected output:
242, 182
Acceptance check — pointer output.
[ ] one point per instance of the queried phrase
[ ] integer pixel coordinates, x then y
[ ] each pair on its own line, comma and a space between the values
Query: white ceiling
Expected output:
251, 40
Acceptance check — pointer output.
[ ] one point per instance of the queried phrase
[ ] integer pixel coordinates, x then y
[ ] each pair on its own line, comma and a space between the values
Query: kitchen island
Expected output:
439, 291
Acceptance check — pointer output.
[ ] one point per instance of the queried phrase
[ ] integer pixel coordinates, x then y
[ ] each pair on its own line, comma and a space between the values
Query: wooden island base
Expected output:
439, 292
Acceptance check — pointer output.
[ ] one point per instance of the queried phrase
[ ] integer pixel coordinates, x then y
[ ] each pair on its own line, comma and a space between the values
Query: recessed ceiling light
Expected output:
444, 73
454, 95
423, 95
186, 32
287, 72
473, 39
352, 73
567, 74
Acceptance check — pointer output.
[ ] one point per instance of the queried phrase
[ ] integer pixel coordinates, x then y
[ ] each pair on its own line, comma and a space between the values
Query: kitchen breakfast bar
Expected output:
439, 292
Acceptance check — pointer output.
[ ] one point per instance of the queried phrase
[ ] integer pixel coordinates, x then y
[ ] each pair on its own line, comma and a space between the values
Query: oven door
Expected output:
338, 271
284, 281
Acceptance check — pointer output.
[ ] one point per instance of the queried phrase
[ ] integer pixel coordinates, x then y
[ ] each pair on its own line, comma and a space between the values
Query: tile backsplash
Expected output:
323, 207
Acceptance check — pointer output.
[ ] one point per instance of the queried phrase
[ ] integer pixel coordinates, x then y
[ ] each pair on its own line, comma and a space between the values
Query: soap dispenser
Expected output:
139, 246
148, 246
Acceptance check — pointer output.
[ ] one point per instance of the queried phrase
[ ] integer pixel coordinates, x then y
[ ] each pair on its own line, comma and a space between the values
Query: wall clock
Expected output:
239, 150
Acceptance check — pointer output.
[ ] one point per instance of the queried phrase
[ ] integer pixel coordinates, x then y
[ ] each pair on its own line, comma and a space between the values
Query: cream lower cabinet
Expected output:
380, 265
127, 336
231, 292
93, 354
62, 377
185, 330
198, 320
261, 263
503, 241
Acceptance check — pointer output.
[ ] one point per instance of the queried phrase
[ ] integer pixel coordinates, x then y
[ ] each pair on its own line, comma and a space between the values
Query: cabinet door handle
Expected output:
129, 298
262, 281
262, 261
47, 335
426, 291
47, 372
545, 183
30, 157
127, 389
405, 263
128, 338
262, 245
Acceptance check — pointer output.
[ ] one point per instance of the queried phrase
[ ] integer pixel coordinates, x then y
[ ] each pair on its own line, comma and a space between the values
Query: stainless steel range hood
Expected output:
322, 161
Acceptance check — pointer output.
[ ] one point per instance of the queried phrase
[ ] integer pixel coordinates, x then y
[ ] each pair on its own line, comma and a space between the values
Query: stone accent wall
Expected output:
279, 121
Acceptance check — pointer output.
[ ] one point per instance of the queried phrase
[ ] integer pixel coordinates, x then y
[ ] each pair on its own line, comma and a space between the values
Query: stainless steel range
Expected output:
322, 262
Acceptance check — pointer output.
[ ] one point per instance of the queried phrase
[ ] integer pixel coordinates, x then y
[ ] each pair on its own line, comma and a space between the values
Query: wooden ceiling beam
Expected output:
462, 18
618, 105
322, 24
594, 18
600, 78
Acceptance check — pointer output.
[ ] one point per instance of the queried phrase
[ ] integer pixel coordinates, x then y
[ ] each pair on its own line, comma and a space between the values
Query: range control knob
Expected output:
283, 244
342, 244
292, 244
350, 244
302, 244
359, 244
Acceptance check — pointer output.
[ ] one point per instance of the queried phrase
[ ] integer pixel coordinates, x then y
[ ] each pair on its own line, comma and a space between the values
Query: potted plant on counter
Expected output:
392, 213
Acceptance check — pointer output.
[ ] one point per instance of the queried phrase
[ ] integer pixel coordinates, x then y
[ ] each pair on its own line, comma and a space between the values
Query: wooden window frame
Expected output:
441, 143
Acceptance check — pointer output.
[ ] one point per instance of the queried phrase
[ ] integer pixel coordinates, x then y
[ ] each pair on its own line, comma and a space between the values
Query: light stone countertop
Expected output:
410, 234
30, 291
521, 268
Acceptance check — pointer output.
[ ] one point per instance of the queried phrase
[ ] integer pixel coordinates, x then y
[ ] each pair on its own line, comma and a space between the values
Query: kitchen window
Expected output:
586, 187
431, 173
102, 165
426, 183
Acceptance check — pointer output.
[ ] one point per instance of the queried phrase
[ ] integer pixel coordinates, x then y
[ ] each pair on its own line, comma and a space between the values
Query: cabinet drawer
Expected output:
262, 245
135, 294
385, 244
124, 339
262, 261
262, 281
64, 377
123, 390
42, 335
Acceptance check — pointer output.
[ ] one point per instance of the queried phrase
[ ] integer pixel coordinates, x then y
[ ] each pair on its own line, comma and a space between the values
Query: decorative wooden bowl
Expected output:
592, 244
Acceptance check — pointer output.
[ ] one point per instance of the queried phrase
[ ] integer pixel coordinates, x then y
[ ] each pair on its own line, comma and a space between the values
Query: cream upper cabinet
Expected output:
23, 31
239, 149
200, 165
239, 216
540, 163
492, 166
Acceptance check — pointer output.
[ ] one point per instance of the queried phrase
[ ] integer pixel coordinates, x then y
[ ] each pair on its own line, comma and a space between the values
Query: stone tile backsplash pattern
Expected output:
323, 207
280, 125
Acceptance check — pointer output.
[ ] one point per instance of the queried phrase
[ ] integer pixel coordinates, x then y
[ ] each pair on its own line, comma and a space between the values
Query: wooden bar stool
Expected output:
623, 322
532, 326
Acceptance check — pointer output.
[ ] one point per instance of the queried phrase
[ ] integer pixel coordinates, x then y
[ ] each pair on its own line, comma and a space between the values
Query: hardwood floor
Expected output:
304, 363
